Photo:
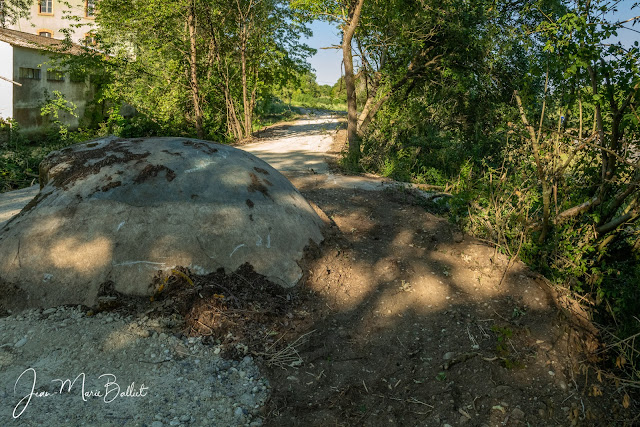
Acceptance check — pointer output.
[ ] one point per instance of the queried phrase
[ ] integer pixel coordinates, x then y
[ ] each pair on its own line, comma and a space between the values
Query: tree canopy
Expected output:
201, 64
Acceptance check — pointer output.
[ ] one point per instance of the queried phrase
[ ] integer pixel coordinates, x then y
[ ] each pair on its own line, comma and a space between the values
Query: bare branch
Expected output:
577, 210
616, 222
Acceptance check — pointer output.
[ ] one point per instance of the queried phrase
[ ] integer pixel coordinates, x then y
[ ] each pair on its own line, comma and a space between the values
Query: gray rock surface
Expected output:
122, 210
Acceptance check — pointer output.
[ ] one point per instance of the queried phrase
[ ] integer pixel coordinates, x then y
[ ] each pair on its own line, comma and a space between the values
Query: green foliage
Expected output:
303, 91
9, 132
552, 178
271, 110
20, 157
183, 63
12, 10
503, 336
504, 347
54, 109
400, 148
439, 62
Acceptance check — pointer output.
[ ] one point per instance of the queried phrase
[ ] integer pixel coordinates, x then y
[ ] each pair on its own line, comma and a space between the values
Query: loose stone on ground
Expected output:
132, 373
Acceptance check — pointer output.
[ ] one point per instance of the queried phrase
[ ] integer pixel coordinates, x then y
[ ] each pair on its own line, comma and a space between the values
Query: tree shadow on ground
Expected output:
410, 324
316, 124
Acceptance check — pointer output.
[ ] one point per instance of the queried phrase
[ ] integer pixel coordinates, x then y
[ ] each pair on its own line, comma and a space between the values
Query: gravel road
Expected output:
62, 367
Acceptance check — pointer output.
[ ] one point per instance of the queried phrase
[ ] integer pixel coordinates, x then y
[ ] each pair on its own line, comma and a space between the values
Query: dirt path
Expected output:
303, 152
410, 322
297, 148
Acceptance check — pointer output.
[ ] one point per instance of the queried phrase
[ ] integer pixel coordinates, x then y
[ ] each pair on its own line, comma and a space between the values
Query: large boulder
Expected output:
120, 210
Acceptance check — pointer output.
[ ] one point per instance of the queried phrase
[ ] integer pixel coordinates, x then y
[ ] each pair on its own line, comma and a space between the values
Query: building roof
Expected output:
34, 41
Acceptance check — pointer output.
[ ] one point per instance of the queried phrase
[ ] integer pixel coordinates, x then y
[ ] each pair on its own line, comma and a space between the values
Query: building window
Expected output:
45, 33
90, 39
55, 76
46, 7
30, 73
89, 8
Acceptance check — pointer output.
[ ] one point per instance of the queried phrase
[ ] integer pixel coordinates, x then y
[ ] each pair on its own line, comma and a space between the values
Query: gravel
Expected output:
127, 370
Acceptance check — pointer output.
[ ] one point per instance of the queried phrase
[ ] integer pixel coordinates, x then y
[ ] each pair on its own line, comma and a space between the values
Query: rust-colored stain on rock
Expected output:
202, 146
151, 171
256, 185
79, 163
111, 185
173, 154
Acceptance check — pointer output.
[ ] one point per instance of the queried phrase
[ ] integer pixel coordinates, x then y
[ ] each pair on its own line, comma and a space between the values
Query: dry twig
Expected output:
287, 357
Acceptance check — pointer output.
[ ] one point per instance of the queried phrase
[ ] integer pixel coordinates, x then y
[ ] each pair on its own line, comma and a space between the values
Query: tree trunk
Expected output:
546, 189
234, 126
355, 9
193, 75
369, 111
233, 123
600, 128
245, 98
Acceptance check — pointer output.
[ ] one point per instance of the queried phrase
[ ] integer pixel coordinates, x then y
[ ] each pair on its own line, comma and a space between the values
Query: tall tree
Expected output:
193, 67
157, 51
347, 14
257, 49
348, 30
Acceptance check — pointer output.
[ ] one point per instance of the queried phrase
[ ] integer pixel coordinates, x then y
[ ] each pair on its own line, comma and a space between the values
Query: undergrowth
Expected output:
498, 198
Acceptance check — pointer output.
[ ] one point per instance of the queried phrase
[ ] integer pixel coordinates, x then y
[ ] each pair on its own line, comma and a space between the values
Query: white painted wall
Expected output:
6, 88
